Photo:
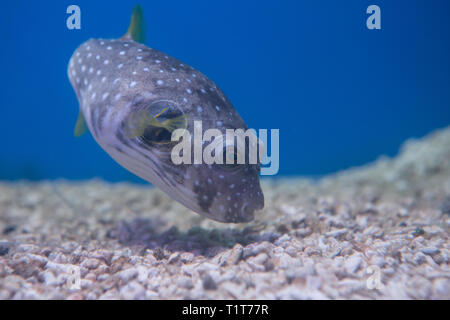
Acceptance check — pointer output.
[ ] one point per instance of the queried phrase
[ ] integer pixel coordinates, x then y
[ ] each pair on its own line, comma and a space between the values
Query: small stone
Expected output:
235, 255
372, 230
185, 282
187, 257
353, 263
91, 263
442, 287
127, 274
281, 240
9, 229
419, 258
4, 248
208, 282
418, 232
430, 250
378, 260
173, 257
337, 233
133, 291
255, 249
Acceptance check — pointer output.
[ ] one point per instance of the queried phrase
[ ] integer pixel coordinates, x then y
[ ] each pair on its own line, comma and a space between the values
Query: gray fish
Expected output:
132, 96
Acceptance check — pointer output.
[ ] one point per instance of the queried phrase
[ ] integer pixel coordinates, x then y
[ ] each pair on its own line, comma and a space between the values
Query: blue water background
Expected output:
340, 94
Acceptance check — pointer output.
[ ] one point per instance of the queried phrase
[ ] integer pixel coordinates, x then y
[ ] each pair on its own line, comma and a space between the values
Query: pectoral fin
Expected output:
80, 126
179, 122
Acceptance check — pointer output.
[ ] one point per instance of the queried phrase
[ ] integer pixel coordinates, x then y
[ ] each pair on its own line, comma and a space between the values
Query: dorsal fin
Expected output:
136, 30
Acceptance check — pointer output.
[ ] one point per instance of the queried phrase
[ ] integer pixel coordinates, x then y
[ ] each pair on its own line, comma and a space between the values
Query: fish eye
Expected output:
166, 117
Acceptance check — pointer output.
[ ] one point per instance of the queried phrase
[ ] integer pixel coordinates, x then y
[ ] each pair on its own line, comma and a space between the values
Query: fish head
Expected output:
226, 187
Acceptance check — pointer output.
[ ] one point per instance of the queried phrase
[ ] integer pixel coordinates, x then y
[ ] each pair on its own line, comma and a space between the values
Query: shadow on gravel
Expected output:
144, 233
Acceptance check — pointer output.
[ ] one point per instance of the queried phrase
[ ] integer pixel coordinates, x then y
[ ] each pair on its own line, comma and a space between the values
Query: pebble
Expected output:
208, 282
353, 263
128, 274
430, 250
91, 263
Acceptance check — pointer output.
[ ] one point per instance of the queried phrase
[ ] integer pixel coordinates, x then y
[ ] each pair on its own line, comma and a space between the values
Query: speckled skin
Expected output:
114, 79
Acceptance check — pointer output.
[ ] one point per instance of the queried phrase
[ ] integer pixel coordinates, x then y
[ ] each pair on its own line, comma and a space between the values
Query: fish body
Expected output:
121, 82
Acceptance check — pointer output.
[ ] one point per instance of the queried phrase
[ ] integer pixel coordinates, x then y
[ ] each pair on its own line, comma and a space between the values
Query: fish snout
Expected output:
248, 208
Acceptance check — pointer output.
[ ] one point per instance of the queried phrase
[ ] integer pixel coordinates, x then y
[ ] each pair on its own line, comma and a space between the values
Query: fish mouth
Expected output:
248, 211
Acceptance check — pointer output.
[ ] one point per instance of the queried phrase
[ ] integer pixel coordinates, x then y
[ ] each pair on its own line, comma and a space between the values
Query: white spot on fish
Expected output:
106, 61
105, 95
120, 66
160, 82
189, 91
132, 84
146, 69
122, 53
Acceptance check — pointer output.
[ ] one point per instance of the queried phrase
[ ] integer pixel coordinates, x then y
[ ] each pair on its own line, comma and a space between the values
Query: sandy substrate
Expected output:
376, 232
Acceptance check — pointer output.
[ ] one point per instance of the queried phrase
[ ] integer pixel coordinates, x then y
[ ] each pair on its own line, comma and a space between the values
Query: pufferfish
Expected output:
133, 97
